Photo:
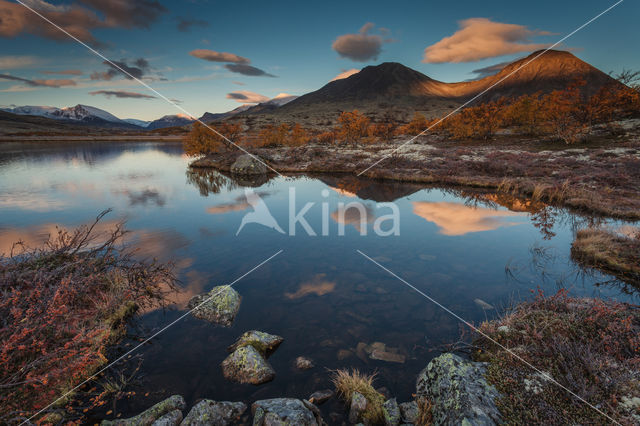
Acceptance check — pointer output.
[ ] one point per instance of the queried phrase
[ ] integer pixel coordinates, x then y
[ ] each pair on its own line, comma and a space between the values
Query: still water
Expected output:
467, 250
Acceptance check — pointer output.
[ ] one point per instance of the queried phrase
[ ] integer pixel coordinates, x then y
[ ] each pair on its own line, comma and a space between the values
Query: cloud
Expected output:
64, 72
138, 69
481, 38
213, 56
78, 19
13, 62
121, 94
490, 70
247, 97
247, 70
39, 82
345, 74
362, 46
185, 24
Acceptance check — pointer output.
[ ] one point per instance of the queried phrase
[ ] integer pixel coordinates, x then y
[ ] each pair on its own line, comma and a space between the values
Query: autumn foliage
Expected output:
61, 305
202, 140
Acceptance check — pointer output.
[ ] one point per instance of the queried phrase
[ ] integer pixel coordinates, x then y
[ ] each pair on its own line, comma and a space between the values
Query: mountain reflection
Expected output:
458, 219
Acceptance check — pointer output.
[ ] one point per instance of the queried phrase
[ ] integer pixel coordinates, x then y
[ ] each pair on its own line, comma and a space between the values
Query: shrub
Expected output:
353, 126
382, 131
298, 136
563, 113
348, 382
203, 141
274, 135
417, 125
328, 137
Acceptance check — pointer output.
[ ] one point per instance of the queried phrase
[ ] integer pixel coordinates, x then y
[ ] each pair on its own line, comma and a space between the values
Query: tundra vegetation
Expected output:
62, 305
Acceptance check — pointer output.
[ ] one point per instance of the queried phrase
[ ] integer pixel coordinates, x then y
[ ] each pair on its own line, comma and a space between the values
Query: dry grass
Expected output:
609, 252
589, 346
425, 413
347, 382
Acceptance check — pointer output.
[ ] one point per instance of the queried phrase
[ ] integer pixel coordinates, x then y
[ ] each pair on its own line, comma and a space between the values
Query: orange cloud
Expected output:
213, 56
317, 285
345, 74
247, 97
458, 219
481, 38
226, 208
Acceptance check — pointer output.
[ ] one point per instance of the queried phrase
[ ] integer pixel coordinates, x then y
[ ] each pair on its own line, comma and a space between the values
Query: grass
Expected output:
589, 346
609, 252
425, 414
61, 306
347, 382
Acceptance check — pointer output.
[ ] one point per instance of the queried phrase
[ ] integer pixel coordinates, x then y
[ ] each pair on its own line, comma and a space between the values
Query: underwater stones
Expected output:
263, 342
148, 417
208, 412
391, 412
303, 363
459, 391
380, 352
247, 365
282, 411
248, 165
219, 306
318, 397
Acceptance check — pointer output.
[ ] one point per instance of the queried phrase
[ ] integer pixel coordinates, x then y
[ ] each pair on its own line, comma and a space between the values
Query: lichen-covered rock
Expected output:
247, 365
219, 306
219, 413
459, 391
409, 412
303, 363
391, 412
282, 411
357, 407
146, 418
172, 418
248, 165
263, 342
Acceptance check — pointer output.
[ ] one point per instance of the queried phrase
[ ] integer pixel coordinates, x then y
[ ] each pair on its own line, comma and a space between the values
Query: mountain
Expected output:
208, 117
170, 121
79, 114
270, 105
39, 111
394, 89
136, 122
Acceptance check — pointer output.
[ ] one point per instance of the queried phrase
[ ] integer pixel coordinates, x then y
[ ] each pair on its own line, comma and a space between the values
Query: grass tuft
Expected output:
347, 382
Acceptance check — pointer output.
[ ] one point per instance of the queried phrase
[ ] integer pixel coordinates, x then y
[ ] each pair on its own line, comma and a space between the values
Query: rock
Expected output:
282, 411
380, 355
503, 329
409, 412
264, 343
343, 354
146, 418
459, 391
391, 412
318, 397
248, 165
483, 305
303, 363
247, 365
172, 418
207, 412
357, 407
219, 306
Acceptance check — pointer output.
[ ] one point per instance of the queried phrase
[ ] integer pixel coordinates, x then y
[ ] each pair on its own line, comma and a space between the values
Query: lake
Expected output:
474, 252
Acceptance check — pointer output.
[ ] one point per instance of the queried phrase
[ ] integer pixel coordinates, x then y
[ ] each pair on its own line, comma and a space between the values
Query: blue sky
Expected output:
293, 41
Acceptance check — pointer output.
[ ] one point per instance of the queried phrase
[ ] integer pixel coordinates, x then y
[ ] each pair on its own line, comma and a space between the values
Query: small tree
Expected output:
274, 135
204, 141
381, 131
298, 136
564, 113
328, 137
353, 126
524, 113
417, 125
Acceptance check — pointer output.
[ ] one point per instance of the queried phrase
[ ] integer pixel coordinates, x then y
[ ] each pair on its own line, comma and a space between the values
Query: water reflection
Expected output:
318, 285
459, 219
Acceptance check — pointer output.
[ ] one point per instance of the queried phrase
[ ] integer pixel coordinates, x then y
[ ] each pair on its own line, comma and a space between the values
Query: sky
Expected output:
214, 56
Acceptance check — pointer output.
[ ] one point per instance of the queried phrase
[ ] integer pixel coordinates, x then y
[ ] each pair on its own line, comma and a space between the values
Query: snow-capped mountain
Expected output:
136, 122
40, 111
170, 121
81, 114
85, 113
281, 99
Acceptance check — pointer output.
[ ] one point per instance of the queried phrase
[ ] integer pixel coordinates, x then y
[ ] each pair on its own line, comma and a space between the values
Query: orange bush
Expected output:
417, 125
327, 137
298, 136
353, 126
203, 141
381, 131
564, 113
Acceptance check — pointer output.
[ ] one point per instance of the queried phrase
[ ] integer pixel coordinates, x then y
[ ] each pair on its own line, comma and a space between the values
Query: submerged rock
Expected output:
282, 411
247, 365
263, 342
208, 412
248, 165
459, 391
303, 363
318, 397
148, 417
391, 412
219, 306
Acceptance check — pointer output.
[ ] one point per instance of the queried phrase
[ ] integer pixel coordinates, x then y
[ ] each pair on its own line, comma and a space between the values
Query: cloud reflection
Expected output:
318, 285
458, 219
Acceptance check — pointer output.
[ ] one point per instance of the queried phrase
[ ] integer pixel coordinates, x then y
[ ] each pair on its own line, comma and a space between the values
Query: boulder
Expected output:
357, 407
247, 365
391, 412
261, 341
208, 412
172, 418
282, 411
219, 306
409, 412
146, 418
459, 391
318, 397
303, 363
248, 165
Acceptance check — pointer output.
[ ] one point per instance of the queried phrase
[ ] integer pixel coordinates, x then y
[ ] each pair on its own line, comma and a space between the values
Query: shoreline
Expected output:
92, 138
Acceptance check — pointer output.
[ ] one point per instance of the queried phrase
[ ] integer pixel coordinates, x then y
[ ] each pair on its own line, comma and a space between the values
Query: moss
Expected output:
348, 382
